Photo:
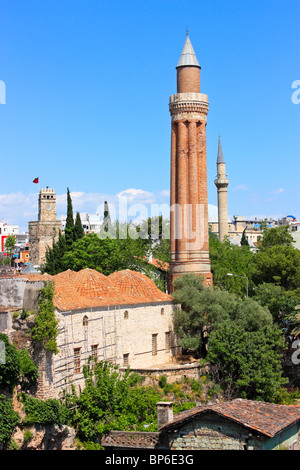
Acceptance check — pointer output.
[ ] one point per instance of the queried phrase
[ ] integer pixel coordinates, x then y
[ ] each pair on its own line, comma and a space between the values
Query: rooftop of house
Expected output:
90, 288
265, 418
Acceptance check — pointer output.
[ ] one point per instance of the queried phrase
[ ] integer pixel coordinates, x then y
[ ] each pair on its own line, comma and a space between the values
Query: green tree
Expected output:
279, 302
106, 218
277, 264
203, 308
8, 420
244, 240
161, 251
28, 370
78, 228
109, 401
9, 365
54, 256
246, 363
9, 244
45, 325
69, 228
50, 411
106, 255
228, 258
296, 323
276, 236
16, 366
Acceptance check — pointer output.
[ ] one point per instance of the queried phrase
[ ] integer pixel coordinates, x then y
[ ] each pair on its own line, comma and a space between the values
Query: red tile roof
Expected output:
137, 287
161, 265
265, 418
89, 288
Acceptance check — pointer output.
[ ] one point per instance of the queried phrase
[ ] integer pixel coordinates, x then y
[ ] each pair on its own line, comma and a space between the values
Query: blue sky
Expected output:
87, 88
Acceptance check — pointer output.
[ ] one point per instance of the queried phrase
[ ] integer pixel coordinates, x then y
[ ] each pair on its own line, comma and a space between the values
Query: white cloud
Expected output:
137, 195
277, 191
240, 187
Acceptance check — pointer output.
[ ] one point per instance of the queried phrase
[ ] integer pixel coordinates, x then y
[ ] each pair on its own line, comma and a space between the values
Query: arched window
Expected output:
85, 326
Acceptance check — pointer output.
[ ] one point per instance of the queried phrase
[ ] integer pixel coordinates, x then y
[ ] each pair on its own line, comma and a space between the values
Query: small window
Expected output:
162, 311
126, 315
77, 360
168, 340
154, 345
85, 321
125, 360
94, 353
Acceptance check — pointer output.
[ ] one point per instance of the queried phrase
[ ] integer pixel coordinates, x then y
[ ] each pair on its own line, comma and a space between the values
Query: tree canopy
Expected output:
237, 336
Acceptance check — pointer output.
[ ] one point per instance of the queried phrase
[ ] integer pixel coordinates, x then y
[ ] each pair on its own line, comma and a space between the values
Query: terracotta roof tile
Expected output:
137, 287
265, 418
89, 288
159, 264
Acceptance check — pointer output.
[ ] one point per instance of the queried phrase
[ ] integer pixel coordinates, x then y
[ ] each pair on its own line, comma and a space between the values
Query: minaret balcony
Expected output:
221, 182
181, 105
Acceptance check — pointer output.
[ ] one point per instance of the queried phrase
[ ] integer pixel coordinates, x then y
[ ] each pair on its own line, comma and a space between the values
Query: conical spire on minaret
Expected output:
220, 158
188, 56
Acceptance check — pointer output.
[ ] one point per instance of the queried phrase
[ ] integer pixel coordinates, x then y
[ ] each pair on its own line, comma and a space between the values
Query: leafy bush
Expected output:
28, 370
50, 411
109, 401
10, 365
162, 381
45, 325
247, 363
8, 419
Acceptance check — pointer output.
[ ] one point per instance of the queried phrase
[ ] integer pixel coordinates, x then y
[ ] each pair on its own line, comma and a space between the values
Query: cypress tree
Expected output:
244, 241
69, 229
78, 228
53, 263
106, 219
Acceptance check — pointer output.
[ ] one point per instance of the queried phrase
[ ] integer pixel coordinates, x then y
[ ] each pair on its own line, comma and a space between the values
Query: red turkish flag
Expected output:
36, 180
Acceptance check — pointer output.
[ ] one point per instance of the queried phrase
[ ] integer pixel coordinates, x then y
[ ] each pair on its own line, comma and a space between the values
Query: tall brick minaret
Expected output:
189, 205
222, 183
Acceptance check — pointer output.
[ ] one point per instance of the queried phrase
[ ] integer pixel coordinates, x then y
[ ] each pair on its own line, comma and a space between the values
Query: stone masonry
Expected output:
43, 231
189, 204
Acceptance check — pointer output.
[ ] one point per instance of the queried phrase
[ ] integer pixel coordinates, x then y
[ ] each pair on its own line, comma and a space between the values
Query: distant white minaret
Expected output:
221, 183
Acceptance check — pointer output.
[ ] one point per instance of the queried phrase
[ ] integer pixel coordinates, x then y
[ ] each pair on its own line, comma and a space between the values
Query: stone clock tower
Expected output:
41, 233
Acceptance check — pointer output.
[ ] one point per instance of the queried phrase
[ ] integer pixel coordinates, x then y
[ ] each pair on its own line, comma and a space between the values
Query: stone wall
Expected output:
45, 438
173, 372
19, 292
116, 335
213, 433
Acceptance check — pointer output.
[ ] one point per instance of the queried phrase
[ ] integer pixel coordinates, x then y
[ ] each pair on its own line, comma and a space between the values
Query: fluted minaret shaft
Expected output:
189, 205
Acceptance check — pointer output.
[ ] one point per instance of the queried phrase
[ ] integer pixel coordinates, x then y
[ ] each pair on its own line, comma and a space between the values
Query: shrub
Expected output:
49, 411
8, 419
45, 325
10, 366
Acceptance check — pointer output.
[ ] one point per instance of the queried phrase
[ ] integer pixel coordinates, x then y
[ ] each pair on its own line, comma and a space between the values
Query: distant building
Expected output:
294, 226
237, 225
6, 230
91, 223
